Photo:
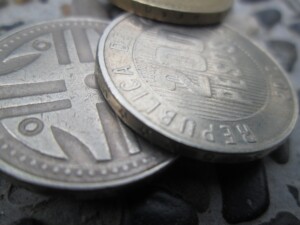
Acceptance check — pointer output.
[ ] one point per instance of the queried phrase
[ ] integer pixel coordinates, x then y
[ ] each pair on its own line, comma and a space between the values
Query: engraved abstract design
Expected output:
54, 122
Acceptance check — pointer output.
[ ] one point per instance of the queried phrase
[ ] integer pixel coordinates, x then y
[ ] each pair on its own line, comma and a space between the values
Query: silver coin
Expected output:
208, 93
56, 129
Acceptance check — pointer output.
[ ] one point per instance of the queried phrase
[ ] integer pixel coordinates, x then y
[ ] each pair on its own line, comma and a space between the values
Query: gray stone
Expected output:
284, 218
161, 208
285, 52
268, 17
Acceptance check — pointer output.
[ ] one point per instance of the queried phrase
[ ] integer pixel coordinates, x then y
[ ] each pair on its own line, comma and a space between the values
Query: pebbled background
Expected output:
265, 192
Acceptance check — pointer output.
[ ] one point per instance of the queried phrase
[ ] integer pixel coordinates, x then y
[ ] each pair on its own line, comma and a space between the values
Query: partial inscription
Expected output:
208, 89
208, 72
55, 127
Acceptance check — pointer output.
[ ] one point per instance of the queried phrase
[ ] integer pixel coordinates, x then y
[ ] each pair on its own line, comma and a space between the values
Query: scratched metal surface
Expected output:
260, 193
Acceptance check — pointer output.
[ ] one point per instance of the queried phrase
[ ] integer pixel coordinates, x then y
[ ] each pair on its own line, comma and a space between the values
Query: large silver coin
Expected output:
207, 93
56, 130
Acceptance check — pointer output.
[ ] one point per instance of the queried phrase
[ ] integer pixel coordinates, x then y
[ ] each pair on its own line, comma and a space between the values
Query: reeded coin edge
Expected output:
131, 4
169, 141
171, 15
41, 183
178, 10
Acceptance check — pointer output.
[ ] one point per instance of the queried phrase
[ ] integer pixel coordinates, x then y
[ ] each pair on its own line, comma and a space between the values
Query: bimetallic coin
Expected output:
201, 12
208, 93
56, 130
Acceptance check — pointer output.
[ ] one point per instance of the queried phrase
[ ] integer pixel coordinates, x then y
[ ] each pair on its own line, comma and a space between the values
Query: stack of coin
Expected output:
191, 12
202, 92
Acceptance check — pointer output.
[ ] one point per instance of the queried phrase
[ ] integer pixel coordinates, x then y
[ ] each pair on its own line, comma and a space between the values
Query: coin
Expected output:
56, 130
200, 12
208, 93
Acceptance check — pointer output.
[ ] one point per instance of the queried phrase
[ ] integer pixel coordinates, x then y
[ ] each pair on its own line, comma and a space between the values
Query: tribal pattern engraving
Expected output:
54, 123
14, 64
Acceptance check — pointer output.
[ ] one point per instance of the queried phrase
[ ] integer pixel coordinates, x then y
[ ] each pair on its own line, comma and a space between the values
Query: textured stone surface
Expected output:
283, 218
268, 17
295, 27
295, 193
298, 95
293, 5
160, 207
186, 181
28, 222
190, 186
285, 52
245, 191
3, 3
5, 28
282, 154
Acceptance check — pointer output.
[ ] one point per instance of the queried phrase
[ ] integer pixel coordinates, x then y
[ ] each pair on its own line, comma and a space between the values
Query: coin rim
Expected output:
129, 5
41, 183
172, 16
206, 12
136, 119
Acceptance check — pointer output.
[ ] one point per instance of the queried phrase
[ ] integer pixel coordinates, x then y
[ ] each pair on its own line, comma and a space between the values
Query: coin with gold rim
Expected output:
192, 12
